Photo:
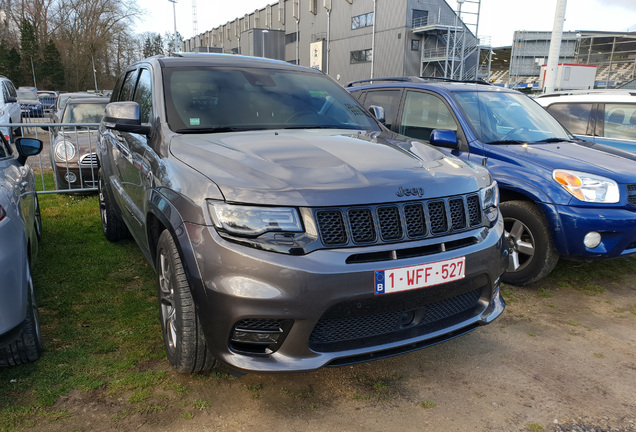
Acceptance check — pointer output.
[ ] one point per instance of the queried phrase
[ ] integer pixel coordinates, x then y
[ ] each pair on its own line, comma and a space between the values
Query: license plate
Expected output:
419, 276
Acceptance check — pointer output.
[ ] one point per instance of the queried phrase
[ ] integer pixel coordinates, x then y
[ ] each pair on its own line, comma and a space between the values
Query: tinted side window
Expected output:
423, 113
128, 88
620, 121
5, 149
575, 117
387, 99
5, 93
115, 96
143, 95
11, 89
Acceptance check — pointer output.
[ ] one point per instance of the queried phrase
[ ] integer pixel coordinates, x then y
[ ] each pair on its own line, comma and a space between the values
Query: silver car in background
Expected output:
20, 232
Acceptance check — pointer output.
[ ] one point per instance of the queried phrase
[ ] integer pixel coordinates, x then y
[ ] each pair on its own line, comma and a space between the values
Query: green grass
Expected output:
99, 316
591, 277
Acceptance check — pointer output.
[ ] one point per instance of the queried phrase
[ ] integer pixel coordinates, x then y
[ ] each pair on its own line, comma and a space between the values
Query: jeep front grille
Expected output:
389, 223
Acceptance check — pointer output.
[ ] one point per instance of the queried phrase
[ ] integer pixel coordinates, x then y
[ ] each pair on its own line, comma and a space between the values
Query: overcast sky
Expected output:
498, 18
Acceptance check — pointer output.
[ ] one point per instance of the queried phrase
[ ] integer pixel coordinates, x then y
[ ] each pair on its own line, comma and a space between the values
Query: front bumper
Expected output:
325, 308
616, 226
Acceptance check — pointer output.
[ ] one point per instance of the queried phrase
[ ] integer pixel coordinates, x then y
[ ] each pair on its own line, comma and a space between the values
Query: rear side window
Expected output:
620, 121
424, 113
387, 99
575, 117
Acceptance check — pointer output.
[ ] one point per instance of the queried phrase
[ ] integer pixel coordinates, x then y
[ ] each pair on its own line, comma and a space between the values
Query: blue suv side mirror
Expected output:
444, 138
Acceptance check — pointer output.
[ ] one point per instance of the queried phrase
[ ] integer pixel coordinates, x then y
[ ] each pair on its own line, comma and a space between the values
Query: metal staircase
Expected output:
454, 41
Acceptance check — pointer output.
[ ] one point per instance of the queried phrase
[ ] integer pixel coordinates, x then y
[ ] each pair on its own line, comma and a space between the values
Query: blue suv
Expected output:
560, 196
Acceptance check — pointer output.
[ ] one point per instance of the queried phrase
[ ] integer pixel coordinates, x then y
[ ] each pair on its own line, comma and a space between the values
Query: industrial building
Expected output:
613, 54
357, 39
360, 39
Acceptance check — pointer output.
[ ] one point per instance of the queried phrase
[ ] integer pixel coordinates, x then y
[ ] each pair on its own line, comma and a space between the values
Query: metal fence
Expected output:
68, 161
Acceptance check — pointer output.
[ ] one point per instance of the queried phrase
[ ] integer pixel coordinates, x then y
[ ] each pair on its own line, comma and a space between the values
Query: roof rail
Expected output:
477, 81
397, 79
414, 79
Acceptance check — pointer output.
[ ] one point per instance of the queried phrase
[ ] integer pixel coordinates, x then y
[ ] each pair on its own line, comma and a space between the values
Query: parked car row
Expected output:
294, 224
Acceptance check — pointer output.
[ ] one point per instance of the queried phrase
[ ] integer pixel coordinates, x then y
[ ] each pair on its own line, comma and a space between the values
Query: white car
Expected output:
10, 111
601, 116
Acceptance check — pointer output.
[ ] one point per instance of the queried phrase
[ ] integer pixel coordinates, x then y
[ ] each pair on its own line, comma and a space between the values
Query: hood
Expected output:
324, 167
583, 156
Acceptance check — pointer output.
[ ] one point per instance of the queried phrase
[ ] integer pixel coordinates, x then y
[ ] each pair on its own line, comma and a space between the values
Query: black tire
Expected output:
113, 226
529, 238
27, 347
183, 337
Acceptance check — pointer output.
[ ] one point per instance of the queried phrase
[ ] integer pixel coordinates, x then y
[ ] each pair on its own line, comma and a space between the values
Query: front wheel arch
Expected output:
530, 239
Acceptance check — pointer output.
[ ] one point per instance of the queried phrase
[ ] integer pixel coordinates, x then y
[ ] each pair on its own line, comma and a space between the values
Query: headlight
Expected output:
64, 151
490, 201
588, 187
249, 221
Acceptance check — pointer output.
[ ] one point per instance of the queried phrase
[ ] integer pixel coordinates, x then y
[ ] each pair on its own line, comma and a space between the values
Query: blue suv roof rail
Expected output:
388, 79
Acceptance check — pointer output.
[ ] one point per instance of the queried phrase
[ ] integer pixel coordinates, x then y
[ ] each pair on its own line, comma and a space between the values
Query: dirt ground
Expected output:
556, 357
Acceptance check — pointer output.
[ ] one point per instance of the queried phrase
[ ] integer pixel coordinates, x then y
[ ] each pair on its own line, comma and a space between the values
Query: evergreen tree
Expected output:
147, 50
30, 53
157, 45
52, 70
10, 63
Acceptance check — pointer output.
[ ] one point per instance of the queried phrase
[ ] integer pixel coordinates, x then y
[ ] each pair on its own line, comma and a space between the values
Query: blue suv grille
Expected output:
631, 194
395, 222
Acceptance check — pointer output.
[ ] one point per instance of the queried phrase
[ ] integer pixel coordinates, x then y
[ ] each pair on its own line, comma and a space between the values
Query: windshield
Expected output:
508, 118
227, 99
84, 113
27, 95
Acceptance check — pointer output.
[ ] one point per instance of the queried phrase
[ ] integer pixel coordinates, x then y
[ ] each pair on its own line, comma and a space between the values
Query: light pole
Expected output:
174, 13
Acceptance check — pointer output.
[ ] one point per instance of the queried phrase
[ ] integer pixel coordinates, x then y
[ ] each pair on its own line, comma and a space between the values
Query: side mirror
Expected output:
12, 99
125, 117
378, 113
444, 138
27, 147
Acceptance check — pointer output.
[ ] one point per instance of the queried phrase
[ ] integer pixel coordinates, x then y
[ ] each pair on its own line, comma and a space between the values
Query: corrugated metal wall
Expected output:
392, 54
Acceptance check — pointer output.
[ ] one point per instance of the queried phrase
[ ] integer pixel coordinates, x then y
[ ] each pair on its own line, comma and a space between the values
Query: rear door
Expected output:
616, 125
131, 155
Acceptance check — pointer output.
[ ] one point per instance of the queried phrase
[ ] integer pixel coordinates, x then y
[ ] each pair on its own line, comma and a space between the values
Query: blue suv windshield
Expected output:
508, 118
223, 99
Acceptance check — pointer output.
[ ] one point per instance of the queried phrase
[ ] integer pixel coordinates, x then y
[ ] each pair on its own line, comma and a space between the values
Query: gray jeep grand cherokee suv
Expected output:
287, 228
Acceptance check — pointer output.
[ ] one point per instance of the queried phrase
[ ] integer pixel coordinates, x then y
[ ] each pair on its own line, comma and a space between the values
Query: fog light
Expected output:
253, 337
592, 239
70, 177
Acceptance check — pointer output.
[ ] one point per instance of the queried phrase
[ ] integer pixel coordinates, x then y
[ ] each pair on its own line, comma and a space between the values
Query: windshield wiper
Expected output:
507, 142
554, 140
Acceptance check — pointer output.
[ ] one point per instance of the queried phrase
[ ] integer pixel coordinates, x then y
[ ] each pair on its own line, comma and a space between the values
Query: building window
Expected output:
360, 21
420, 18
415, 44
291, 38
361, 56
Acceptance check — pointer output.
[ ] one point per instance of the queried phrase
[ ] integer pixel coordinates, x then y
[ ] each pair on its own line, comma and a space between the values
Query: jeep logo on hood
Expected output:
414, 191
